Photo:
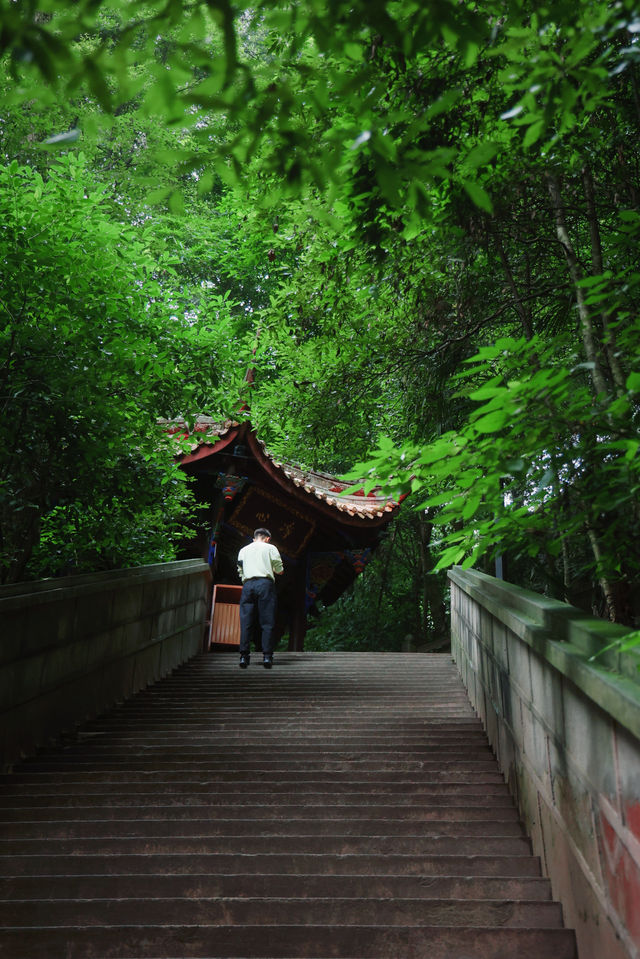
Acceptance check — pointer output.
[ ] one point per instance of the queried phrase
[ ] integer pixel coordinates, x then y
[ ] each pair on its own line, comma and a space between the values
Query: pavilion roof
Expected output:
322, 486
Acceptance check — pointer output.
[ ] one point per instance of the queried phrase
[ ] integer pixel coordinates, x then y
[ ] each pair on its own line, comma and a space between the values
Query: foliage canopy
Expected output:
418, 222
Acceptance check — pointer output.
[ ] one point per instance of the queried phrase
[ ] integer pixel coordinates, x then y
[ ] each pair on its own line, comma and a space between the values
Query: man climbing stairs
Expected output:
339, 805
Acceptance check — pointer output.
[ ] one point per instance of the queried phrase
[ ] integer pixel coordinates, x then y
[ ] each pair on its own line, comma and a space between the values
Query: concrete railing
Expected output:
69, 648
567, 736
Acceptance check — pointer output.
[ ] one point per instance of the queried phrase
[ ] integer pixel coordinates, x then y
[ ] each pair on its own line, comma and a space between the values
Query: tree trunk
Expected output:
522, 310
598, 270
432, 593
634, 82
383, 578
605, 585
588, 335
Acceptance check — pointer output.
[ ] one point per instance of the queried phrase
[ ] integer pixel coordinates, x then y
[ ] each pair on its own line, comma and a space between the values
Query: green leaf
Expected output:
450, 557
478, 195
480, 155
470, 507
533, 134
492, 422
633, 382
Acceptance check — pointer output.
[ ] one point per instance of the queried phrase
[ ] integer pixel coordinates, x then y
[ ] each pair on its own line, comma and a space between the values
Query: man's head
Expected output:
262, 534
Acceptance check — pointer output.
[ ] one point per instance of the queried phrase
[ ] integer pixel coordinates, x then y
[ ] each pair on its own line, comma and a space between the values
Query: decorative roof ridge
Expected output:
356, 503
202, 424
323, 486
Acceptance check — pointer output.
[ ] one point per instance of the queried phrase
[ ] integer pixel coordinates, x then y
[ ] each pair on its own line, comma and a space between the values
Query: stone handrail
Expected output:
566, 732
71, 647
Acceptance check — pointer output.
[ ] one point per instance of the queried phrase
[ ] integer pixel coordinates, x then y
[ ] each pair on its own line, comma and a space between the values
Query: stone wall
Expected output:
70, 648
567, 736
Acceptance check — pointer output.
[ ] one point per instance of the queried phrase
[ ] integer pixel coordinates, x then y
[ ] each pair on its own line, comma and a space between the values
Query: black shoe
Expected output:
245, 659
267, 661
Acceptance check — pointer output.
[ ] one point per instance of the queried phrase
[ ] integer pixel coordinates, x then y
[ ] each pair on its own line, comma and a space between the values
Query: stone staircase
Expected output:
339, 805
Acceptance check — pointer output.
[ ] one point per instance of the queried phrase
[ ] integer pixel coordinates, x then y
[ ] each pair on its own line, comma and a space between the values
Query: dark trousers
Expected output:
257, 607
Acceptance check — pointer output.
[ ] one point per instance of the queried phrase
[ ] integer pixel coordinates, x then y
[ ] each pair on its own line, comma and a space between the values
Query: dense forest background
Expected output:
418, 223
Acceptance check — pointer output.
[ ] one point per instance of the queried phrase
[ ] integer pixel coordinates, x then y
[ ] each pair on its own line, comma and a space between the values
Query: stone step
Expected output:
246, 812
384, 723
287, 716
269, 911
336, 807
260, 764
427, 845
126, 828
36, 863
284, 886
454, 802
288, 942
414, 791
185, 751
440, 773
317, 728
196, 734
415, 708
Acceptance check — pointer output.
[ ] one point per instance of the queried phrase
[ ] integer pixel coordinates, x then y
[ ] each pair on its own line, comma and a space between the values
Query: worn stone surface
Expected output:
582, 907
567, 735
628, 771
73, 646
338, 806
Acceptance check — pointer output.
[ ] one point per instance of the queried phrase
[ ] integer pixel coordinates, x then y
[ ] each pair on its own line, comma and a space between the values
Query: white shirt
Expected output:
259, 559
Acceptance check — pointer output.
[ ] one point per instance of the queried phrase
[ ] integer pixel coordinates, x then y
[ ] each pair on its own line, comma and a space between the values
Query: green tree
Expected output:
398, 603
419, 186
92, 352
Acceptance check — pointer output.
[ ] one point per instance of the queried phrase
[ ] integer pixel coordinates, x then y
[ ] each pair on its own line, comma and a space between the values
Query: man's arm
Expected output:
276, 562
